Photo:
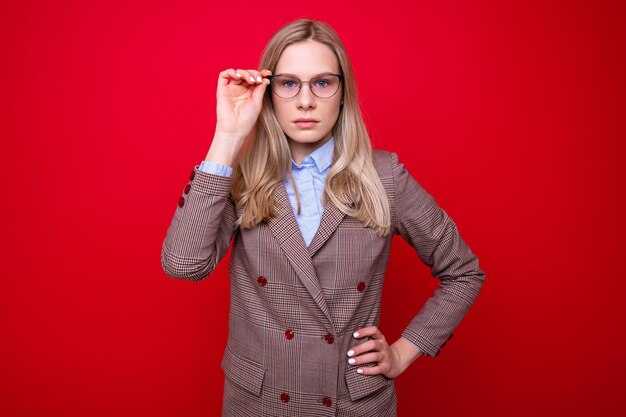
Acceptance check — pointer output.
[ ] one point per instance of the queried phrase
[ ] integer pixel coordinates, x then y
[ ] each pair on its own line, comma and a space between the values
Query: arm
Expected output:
435, 237
204, 222
201, 230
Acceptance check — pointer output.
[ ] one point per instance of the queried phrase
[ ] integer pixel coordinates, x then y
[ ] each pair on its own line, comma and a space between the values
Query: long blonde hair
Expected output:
352, 184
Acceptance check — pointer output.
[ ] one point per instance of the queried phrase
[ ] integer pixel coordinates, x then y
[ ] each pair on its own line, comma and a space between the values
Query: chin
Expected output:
305, 137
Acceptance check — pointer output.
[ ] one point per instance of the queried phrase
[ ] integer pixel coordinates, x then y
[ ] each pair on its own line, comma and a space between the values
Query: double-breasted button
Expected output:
329, 338
181, 201
262, 281
192, 175
284, 397
361, 286
327, 401
288, 334
187, 188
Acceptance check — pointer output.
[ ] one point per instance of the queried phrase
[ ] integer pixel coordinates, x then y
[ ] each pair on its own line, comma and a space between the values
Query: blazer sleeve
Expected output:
202, 228
435, 237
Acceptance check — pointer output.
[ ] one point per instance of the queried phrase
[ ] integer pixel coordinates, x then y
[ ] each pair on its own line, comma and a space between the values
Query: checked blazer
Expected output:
293, 308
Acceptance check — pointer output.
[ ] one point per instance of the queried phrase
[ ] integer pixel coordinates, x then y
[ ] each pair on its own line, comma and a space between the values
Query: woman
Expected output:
292, 180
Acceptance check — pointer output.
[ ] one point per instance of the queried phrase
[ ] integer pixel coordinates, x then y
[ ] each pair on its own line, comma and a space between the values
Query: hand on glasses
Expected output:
239, 101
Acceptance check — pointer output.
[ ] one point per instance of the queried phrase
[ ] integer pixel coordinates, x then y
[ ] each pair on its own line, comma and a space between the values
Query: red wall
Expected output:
507, 112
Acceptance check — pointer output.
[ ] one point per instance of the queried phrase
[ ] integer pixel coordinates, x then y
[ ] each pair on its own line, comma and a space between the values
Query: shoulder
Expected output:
384, 161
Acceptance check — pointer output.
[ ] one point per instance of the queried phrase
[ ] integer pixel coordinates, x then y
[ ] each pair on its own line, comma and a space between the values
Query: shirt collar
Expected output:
322, 156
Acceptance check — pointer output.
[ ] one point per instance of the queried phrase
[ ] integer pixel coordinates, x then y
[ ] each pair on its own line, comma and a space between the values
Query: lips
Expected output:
306, 123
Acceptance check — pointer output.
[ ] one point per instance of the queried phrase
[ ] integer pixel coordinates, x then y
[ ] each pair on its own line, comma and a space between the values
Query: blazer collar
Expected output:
285, 229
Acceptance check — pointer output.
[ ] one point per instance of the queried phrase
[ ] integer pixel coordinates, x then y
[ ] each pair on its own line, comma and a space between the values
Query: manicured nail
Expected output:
238, 75
350, 353
351, 361
360, 370
259, 79
252, 78
356, 334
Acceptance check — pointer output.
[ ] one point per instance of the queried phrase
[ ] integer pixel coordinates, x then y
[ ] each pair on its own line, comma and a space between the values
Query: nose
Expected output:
306, 98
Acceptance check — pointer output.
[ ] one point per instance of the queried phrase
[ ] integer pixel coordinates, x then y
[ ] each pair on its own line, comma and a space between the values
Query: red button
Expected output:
288, 334
181, 201
329, 338
262, 281
192, 175
327, 401
284, 397
361, 286
187, 188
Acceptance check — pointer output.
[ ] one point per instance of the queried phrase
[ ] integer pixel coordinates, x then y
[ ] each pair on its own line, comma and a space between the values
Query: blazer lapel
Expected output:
285, 229
331, 217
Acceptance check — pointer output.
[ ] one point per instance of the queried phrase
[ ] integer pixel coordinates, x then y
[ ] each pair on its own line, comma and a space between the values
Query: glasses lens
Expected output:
285, 86
325, 86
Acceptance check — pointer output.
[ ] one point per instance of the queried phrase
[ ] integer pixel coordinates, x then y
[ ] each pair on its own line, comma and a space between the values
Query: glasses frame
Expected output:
300, 83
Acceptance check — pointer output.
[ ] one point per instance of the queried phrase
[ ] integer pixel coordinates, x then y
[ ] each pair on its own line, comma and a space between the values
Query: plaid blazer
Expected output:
293, 308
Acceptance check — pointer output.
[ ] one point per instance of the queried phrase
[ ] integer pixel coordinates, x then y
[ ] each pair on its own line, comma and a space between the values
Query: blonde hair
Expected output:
352, 184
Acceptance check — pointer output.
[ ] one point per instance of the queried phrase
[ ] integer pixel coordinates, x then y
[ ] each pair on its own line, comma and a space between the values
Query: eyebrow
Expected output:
294, 75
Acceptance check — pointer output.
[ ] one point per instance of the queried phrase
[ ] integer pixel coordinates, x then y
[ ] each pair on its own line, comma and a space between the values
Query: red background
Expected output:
507, 112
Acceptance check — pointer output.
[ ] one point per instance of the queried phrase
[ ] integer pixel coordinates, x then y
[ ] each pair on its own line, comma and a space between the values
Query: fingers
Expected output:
228, 76
379, 359
367, 357
251, 76
372, 351
364, 347
371, 331
377, 343
239, 76
371, 370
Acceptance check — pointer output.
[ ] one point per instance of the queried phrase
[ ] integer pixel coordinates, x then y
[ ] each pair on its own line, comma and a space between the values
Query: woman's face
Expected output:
305, 60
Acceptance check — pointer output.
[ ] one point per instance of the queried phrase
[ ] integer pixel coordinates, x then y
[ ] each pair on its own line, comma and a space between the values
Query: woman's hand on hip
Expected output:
390, 360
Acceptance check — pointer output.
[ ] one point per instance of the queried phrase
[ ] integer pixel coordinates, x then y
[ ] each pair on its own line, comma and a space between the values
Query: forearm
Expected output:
223, 149
201, 229
406, 353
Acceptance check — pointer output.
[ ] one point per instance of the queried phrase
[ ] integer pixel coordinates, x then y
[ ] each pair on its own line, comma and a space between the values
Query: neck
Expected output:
299, 151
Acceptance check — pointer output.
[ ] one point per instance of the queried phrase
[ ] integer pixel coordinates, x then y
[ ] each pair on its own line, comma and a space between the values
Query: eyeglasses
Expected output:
322, 86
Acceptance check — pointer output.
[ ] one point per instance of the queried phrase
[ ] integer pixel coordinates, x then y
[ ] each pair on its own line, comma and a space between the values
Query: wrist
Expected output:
406, 353
223, 150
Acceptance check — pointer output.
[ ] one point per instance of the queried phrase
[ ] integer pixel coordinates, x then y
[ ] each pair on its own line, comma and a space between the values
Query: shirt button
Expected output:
288, 334
192, 175
181, 201
329, 338
262, 281
361, 286
327, 401
284, 397
187, 188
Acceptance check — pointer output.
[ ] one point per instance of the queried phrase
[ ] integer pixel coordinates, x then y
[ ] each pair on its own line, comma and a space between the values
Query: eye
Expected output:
289, 83
326, 83
322, 83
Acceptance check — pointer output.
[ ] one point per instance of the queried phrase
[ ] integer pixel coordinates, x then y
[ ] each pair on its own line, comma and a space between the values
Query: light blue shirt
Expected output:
310, 178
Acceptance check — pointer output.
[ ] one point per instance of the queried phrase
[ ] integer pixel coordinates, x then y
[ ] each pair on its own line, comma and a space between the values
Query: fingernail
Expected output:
259, 79
351, 361
238, 75
251, 78
350, 353
360, 370
356, 334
